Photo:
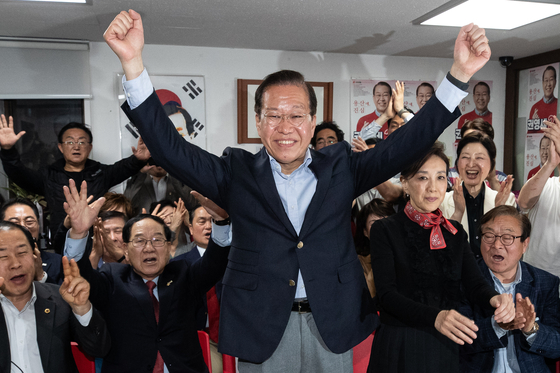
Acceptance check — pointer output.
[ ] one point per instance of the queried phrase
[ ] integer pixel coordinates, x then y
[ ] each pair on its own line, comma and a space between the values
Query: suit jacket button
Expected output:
300, 245
292, 283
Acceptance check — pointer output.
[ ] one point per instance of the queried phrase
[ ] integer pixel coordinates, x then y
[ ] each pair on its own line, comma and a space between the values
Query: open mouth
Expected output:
472, 174
150, 260
497, 258
19, 279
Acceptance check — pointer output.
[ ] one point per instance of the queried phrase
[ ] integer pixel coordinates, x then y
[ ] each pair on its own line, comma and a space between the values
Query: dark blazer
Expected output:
52, 265
123, 298
266, 251
542, 289
202, 313
140, 191
55, 330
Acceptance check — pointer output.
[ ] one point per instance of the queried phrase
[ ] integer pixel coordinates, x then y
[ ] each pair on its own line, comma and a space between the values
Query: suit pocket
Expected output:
239, 279
243, 256
349, 271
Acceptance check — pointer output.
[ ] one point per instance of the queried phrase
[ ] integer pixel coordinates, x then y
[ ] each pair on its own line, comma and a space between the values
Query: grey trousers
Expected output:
302, 350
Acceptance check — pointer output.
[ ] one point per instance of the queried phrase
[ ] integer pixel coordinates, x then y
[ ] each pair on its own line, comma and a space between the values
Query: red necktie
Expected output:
213, 314
158, 367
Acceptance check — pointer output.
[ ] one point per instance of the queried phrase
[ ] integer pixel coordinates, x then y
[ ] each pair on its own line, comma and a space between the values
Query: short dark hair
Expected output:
328, 125
285, 77
18, 201
483, 84
551, 68
129, 224
111, 214
115, 201
480, 138
480, 125
425, 84
376, 207
192, 211
77, 125
438, 149
505, 210
163, 203
384, 84
9, 226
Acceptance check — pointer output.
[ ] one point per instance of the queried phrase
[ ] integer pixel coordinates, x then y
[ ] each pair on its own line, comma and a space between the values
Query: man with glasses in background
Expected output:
75, 144
523, 344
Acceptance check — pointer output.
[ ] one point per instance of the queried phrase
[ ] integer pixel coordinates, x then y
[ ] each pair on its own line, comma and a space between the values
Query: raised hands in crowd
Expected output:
75, 289
8, 137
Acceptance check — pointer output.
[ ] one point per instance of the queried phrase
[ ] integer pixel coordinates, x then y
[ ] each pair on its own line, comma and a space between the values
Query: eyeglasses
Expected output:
81, 144
274, 119
28, 223
323, 142
140, 243
507, 239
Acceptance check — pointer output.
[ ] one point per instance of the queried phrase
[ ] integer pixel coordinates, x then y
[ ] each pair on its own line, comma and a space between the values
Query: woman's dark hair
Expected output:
438, 149
480, 138
480, 125
377, 207
505, 210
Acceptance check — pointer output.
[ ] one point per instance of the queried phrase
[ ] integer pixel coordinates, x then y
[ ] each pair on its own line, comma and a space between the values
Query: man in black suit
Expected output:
38, 321
150, 305
292, 255
48, 266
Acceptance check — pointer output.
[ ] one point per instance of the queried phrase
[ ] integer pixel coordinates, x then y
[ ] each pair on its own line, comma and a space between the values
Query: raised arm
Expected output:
8, 137
531, 191
471, 52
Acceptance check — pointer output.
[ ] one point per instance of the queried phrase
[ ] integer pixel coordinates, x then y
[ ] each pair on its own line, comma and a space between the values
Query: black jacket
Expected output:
49, 181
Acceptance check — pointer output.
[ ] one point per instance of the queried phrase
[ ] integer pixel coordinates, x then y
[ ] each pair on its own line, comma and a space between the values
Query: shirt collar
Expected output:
155, 280
378, 113
479, 198
29, 303
517, 280
549, 100
277, 168
481, 114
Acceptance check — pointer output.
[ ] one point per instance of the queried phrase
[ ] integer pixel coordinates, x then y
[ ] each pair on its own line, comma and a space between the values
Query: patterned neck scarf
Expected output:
432, 220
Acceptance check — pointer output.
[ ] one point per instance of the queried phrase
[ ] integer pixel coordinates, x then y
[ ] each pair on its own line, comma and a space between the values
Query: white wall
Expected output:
222, 67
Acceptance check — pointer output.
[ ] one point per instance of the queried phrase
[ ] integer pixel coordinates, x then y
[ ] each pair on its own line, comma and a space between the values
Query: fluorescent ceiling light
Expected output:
53, 1
489, 14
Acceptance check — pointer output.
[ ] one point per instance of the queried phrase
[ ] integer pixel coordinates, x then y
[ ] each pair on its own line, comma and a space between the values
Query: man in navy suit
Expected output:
48, 266
524, 344
294, 296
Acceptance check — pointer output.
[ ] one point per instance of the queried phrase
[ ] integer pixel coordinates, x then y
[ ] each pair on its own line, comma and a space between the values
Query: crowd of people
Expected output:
290, 257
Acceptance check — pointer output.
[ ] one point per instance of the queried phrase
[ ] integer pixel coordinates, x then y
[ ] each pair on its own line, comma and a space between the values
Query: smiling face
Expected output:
25, 216
148, 261
548, 84
16, 266
544, 149
428, 186
381, 97
286, 143
326, 137
501, 259
75, 155
473, 165
201, 227
481, 98
424, 94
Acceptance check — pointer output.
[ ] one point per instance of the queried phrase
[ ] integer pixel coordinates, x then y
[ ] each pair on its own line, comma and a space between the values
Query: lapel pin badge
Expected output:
47, 310
169, 283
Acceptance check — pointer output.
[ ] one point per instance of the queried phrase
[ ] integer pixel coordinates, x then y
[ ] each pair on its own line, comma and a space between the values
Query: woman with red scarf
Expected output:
423, 268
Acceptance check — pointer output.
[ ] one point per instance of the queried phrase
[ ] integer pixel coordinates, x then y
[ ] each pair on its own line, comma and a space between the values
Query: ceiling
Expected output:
358, 26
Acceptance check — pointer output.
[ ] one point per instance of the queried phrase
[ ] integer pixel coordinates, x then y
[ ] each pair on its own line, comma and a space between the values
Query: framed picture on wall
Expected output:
246, 88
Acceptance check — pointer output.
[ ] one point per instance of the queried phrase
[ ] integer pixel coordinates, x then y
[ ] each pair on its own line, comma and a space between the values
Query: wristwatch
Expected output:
533, 330
401, 112
221, 223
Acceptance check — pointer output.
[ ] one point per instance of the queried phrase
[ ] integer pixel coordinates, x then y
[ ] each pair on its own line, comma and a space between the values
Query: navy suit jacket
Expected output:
55, 329
266, 252
122, 296
202, 313
542, 289
52, 265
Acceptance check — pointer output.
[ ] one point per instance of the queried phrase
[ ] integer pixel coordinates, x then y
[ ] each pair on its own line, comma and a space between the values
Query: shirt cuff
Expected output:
221, 234
408, 117
370, 131
450, 95
74, 249
86, 318
44, 278
499, 331
137, 90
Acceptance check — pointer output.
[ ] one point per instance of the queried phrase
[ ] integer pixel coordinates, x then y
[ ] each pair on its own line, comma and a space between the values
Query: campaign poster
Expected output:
183, 99
367, 105
542, 104
475, 105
